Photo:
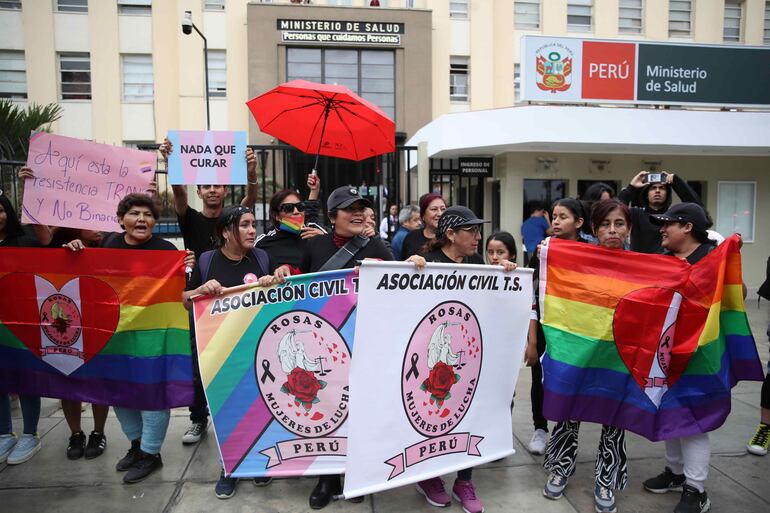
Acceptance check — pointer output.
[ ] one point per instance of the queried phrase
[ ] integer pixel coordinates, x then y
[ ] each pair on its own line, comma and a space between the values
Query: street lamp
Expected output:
187, 28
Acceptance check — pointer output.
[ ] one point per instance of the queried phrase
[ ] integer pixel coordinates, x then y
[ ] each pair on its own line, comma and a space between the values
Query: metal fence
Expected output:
380, 178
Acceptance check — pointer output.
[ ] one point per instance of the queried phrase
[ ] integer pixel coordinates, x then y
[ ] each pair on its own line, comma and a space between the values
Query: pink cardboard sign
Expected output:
78, 184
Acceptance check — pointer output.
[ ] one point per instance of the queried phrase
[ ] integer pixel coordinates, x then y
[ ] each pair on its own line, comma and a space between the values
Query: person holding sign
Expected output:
236, 261
457, 240
146, 430
294, 222
611, 224
199, 234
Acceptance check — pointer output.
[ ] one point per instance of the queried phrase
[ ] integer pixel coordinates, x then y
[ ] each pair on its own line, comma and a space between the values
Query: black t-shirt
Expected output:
19, 241
118, 241
438, 256
198, 231
700, 252
321, 248
229, 273
413, 243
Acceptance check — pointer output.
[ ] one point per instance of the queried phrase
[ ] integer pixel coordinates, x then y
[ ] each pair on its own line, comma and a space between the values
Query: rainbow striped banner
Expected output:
104, 326
643, 342
274, 363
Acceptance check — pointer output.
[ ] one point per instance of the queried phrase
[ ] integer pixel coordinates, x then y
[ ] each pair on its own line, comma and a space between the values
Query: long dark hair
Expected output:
275, 204
574, 206
12, 224
507, 240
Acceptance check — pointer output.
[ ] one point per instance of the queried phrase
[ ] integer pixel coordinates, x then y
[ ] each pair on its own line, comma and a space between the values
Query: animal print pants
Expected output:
611, 462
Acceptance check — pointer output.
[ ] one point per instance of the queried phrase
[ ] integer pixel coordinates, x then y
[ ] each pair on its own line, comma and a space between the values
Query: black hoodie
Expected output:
285, 247
645, 236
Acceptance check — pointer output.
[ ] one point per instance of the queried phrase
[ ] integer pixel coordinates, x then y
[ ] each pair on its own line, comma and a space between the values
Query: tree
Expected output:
16, 123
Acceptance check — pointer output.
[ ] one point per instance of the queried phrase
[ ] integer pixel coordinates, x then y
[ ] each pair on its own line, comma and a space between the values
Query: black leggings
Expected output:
536, 390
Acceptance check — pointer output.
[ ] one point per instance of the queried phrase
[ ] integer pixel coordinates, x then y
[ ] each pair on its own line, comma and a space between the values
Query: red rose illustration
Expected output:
440, 381
303, 385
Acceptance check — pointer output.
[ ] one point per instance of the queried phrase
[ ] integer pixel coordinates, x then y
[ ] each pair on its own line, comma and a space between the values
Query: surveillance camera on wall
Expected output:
187, 22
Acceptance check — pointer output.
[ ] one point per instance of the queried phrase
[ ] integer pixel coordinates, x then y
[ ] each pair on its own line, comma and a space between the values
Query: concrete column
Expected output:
709, 21
605, 15
106, 83
166, 32
656, 19
753, 22
40, 53
482, 55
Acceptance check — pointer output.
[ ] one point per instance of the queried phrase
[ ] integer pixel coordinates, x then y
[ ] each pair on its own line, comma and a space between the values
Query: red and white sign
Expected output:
609, 70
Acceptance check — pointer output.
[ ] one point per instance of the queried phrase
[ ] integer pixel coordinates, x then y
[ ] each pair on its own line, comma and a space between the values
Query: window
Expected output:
217, 73
214, 5
75, 76
137, 78
340, 2
733, 21
368, 73
13, 75
72, 5
516, 82
579, 15
10, 4
630, 17
526, 14
736, 206
767, 23
679, 18
141, 7
458, 79
458, 9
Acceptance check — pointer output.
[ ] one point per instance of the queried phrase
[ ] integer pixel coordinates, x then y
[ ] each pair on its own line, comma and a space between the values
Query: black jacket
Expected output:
288, 248
645, 236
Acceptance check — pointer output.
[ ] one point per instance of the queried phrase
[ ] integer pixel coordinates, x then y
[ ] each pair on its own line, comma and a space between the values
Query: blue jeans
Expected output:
30, 412
148, 426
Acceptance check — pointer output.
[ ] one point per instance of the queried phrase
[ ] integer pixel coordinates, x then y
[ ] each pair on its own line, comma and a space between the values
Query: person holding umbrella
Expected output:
456, 242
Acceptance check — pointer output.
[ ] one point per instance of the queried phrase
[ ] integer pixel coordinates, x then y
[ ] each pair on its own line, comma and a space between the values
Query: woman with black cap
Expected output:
341, 249
432, 205
234, 263
456, 242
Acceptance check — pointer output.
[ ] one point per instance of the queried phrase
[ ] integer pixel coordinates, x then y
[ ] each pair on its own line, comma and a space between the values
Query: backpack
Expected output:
260, 255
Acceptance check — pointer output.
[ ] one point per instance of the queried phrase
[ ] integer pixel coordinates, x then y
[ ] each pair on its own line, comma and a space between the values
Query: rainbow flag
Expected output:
643, 342
104, 326
274, 363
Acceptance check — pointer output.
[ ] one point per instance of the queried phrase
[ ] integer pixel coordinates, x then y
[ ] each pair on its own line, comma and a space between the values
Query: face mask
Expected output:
292, 224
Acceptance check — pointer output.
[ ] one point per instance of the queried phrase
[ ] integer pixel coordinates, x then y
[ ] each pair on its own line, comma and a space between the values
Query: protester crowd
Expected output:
225, 251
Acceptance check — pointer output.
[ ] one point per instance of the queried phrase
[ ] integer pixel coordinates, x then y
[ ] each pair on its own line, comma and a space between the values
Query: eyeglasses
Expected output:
288, 208
471, 229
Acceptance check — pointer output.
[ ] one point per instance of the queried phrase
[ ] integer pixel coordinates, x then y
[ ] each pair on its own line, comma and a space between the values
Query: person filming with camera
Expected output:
648, 194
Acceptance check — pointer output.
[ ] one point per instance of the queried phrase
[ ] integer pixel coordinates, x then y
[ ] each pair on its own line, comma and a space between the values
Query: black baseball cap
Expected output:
343, 197
456, 217
684, 213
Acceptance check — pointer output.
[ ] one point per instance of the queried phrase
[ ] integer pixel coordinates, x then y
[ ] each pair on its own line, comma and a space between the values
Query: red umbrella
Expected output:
324, 119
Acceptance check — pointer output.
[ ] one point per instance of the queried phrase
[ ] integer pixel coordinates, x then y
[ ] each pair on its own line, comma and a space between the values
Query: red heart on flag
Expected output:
656, 331
72, 323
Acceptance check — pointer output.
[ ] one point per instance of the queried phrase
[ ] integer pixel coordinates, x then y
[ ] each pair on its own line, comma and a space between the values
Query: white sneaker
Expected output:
25, 448
537, 444
194, 433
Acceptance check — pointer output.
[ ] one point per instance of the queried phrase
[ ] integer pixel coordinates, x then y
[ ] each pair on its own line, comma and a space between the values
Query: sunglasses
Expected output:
288, 208
237, 213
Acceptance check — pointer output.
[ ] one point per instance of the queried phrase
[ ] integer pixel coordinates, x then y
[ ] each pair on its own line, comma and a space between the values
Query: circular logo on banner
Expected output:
301, 366
60, 320
441, 368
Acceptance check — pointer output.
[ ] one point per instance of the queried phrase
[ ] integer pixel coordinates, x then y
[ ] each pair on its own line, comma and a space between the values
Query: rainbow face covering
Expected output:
292, 224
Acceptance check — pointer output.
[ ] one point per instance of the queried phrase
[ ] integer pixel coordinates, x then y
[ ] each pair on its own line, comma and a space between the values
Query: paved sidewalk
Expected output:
738, 482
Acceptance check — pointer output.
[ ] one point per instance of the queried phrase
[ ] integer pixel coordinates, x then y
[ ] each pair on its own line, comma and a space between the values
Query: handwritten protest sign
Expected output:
78, 184
213, 157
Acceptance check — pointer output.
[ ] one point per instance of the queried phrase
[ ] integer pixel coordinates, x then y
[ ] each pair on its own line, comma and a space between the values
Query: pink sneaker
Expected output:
465, 493
434, 492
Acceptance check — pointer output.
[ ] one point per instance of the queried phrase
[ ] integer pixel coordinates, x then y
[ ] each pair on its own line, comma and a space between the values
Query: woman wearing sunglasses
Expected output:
294, 222
457, 241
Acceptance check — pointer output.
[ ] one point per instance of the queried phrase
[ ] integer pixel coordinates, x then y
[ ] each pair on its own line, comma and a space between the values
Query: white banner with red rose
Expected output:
437, 357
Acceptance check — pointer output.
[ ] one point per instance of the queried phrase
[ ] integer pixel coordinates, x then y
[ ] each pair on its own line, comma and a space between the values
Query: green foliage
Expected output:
16, 123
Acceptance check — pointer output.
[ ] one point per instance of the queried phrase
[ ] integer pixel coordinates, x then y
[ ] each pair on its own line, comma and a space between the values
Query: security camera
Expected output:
187, 22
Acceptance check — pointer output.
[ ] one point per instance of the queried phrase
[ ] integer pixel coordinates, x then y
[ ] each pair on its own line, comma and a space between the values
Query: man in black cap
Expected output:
651, 193
683, 235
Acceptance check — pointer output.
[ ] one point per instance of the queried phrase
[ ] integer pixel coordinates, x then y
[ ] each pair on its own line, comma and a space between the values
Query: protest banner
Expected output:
104, 326
207, 157
437, 357
274, 364
78, 184
643, 342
